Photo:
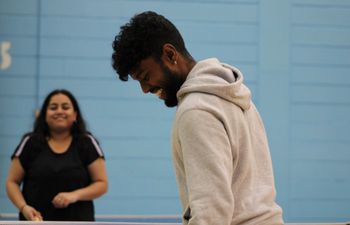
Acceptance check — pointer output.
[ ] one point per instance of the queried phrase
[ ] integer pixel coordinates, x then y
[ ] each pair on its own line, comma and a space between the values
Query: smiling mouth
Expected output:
159, 92
59, 118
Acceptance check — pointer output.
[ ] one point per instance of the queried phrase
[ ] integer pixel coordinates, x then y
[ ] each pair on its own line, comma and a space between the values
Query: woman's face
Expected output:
60, 114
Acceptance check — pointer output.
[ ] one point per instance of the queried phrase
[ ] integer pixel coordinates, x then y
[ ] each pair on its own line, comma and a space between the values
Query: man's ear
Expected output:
170, 54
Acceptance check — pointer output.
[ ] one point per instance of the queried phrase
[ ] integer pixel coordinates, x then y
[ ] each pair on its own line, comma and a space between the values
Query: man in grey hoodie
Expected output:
220, 149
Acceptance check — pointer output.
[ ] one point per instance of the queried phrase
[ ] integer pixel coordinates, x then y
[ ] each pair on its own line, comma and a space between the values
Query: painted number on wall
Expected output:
5, 57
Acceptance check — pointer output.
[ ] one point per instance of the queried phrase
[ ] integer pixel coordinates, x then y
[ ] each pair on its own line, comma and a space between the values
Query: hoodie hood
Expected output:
212, 77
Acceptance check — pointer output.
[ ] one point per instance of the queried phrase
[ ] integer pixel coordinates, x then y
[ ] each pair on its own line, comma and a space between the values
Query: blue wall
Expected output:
295, 55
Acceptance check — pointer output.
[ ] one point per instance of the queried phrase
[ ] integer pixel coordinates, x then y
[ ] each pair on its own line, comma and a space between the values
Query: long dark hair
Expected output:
41, 128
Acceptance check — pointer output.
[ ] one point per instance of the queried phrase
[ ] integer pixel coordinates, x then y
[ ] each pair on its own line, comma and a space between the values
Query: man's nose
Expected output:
145, 87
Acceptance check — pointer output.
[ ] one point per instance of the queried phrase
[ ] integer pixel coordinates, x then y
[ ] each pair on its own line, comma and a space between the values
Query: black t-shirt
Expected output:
48, 173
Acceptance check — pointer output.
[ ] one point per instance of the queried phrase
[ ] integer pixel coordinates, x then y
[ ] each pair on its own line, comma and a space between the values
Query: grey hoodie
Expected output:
220, 151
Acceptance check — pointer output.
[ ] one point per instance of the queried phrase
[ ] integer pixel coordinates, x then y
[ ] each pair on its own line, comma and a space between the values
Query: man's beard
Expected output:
172, 85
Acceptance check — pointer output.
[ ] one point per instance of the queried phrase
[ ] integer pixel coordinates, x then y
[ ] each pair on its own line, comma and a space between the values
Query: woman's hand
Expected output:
31, 214
63, 199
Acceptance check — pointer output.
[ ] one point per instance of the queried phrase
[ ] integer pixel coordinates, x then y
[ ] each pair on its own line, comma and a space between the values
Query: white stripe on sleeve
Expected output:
20, 149
97, 147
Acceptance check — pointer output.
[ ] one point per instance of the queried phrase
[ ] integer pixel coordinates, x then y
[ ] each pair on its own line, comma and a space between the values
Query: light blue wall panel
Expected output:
321, 93
190, 10
124, 108
76, 68
119, 147
319, 210
17, 86
327, 170
72, 27
16, 107
63, 47
127, 205
21, 66
320, 35
321, 74
140, 169
321, 150
21, 7
220, 33
137, 127
8, 128
8, 144
237, 53
320, 105
306, 113
95, 88
295, 55
321, 55
317, 132
21, 45
18, 25
318, 189
321, 13
18, 29
274, 89
249, 70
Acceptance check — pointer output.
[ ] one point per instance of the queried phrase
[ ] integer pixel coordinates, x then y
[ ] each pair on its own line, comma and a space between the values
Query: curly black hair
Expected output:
142, 37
